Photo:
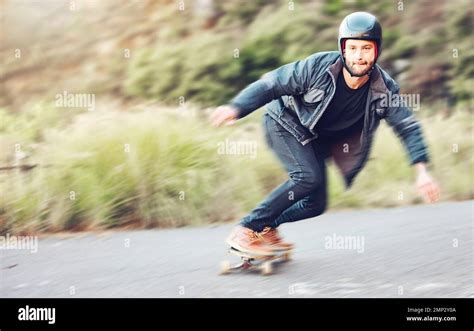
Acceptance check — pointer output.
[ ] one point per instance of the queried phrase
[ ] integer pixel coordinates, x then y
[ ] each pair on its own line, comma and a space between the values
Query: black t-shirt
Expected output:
345, 113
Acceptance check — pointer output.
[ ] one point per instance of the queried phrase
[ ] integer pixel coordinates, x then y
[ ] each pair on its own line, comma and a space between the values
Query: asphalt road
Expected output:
416, 251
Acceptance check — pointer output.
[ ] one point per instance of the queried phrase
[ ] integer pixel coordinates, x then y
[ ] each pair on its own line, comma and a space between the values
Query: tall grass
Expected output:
142, 169
163, 168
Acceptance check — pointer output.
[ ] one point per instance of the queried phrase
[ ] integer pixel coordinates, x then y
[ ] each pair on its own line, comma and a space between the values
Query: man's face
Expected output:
359, 56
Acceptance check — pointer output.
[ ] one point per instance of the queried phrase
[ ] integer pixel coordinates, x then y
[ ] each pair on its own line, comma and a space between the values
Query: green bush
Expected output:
206, 69
203, 70
332, 7
30, 124
461, 53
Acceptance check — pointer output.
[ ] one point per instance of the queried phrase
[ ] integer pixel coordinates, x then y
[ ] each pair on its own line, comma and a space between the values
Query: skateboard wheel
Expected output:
266, 268
286, 256
225, 267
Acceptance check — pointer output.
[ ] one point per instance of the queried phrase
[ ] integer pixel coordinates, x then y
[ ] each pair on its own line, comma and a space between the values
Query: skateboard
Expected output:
262, 263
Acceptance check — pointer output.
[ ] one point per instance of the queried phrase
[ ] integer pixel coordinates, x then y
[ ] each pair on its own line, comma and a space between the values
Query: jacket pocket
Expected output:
291, 124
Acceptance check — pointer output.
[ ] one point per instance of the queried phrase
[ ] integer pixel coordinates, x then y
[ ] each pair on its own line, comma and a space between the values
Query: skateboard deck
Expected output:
249, 261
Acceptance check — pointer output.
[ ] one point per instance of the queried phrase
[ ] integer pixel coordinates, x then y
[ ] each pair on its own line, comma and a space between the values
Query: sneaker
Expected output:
273, 239
248, 241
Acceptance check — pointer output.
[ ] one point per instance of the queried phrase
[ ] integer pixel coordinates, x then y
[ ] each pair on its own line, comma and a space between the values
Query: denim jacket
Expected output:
298, 93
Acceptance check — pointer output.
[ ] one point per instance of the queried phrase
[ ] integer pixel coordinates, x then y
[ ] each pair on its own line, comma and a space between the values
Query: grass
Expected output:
143, 169
162, 168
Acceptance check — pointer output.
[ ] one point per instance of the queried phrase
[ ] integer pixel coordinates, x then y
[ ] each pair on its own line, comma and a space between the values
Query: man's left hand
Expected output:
427, 187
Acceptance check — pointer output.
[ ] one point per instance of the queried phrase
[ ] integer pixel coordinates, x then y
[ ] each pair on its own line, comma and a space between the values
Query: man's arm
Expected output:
408, 129
291, 79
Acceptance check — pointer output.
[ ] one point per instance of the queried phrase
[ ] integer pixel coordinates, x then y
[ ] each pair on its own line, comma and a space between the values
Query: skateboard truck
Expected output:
263, 263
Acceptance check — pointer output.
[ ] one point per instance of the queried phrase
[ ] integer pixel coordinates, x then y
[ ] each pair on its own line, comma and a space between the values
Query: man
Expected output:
327, 105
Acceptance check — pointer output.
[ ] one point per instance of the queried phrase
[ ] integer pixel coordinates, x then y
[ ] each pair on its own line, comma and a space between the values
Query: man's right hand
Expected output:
226, 115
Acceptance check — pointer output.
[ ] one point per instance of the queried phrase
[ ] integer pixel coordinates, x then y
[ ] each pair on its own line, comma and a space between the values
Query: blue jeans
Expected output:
304, 194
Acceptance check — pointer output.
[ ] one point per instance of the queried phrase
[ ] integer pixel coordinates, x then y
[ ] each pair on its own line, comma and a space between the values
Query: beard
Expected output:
359, 69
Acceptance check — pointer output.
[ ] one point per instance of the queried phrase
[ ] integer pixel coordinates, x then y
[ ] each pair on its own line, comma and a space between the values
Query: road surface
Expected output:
416, 251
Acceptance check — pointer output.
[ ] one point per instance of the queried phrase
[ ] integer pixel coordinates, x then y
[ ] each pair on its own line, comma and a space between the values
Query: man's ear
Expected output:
376, 51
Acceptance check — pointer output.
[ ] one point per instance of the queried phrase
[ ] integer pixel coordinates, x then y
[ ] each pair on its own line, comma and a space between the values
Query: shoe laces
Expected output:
254, 236
271, 234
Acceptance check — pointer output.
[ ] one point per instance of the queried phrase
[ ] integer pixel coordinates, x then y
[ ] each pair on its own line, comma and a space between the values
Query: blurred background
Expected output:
104, 106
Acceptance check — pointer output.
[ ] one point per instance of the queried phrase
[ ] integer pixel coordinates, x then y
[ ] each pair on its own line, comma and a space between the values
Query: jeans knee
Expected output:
317, 208
308, 181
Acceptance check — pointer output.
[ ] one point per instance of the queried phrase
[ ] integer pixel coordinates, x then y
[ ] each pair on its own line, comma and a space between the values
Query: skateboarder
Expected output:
327, 105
